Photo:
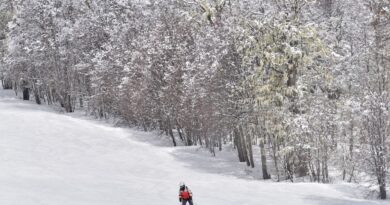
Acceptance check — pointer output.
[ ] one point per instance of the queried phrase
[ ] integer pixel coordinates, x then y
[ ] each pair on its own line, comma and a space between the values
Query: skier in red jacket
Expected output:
185, 194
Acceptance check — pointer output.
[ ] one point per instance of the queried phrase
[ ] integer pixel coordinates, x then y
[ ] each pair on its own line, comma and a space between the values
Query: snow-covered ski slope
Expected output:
48, 158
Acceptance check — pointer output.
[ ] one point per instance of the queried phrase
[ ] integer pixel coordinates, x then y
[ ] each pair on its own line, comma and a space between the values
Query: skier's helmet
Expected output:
182, 184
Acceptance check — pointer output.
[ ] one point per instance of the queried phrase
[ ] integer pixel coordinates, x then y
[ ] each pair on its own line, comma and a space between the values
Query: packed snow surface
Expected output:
51, 158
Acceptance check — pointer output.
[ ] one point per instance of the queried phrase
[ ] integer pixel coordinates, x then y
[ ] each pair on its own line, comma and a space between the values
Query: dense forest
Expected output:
308, 82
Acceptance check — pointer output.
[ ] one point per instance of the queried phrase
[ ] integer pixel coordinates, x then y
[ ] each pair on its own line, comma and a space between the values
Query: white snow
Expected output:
48, 158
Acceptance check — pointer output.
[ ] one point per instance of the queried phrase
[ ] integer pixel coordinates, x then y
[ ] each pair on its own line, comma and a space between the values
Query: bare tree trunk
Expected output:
250, 150
180, 133
244, 146
68, 104
81, 101
212, 148
171, 132
237, 143
275, 157
37, 98
26, 94
382, 190
144, 126
264, 160
318, 174
7, 84
189, 140
220, 143
351, 156
36, 95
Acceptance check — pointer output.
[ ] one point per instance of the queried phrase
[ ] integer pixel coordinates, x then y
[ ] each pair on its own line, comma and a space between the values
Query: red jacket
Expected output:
185, 194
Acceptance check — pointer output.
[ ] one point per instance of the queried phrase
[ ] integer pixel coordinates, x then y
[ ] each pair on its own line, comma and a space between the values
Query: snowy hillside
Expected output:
51, 158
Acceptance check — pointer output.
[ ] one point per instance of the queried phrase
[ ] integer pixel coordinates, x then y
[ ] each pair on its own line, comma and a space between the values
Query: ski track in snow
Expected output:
48, 158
